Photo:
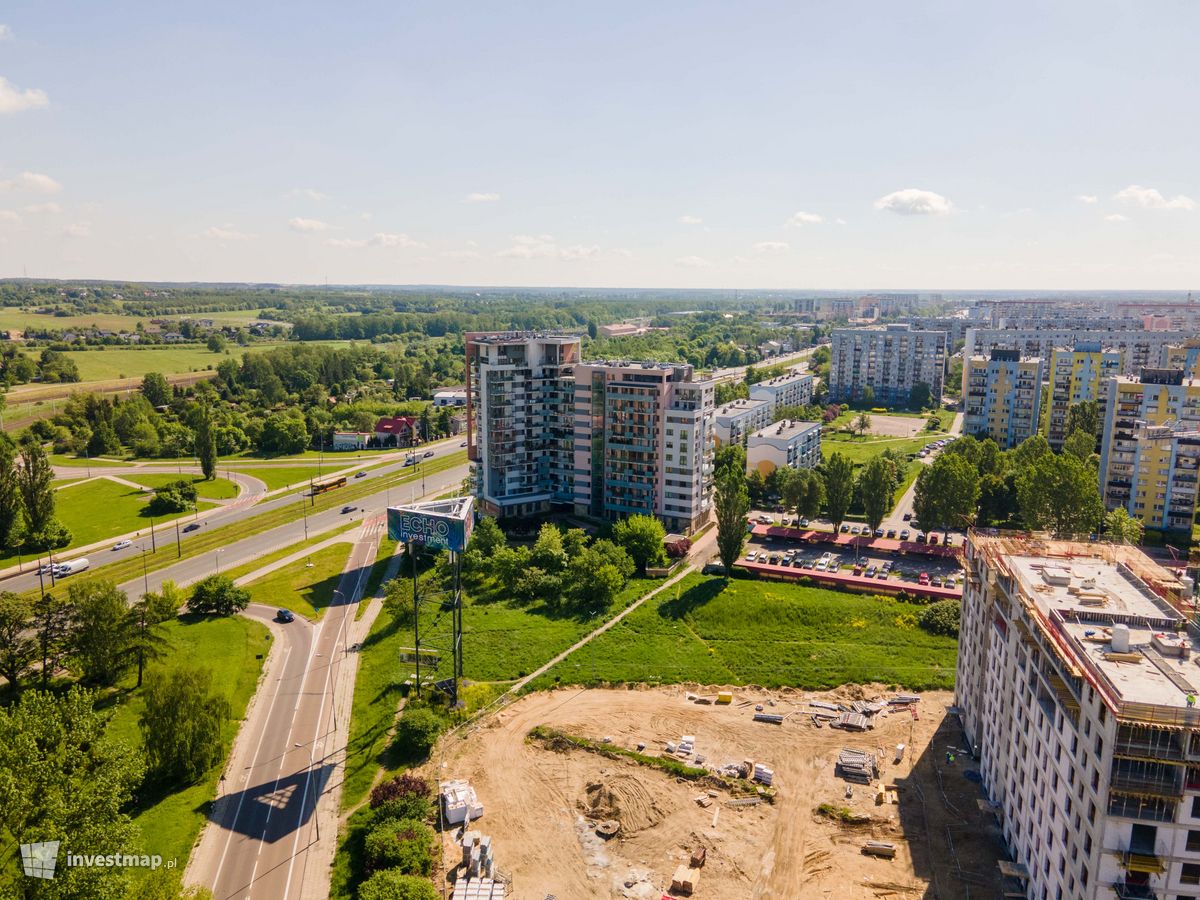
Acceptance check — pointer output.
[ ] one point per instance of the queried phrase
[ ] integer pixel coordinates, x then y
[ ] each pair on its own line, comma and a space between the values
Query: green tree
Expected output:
156, 389
53, 625
35, 479
574, 541
145, 635
997, 499
868, 395
173, 497
101, 638
390, 884
103, 441
427, 423
405, 845
216, 343
731, 501
206, 443
182, 724
1084, 416
62, 778
217, 595
548, 553
941, 617
1060, 494
443, 421
839, 488
283, 433
921, 396
592, 581
946, 493
1123, 528
730, 456
10, 493
642, 537
862, 423
1080, 444
803, 492
18, 649
416, 733
876, 484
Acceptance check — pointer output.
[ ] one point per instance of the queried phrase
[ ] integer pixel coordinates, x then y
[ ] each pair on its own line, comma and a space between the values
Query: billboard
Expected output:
442, 525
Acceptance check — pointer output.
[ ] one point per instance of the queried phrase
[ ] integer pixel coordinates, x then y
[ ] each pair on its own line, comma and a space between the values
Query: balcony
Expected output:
1127, 891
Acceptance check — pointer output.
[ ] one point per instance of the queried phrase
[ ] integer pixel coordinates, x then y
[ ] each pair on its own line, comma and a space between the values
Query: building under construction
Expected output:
1077, 682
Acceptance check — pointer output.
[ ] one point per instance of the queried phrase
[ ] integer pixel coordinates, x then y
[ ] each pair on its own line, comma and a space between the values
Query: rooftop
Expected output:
521, 337
782, 379
785, 430
740, 405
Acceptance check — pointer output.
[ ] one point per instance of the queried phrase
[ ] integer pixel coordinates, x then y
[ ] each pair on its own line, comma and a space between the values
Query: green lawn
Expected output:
217, 489
66, 459
238, 571
99, 509
383, 558
860, 451
743, 631
234, 648
305, 591
13, 317
284, 476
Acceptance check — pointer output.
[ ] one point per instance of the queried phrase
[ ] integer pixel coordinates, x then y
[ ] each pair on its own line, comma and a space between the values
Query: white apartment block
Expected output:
792, 389
450, 397
1075, 687
643, 442
735, 421
891, 361
786, 444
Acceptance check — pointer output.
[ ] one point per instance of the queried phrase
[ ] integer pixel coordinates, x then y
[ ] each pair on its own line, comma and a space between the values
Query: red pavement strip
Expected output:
854, 582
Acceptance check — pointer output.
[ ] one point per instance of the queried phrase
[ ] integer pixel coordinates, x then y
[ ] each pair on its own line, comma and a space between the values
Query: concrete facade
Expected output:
1078, 375
786, 444
792, 389
735, 421
1003, 398
890, 361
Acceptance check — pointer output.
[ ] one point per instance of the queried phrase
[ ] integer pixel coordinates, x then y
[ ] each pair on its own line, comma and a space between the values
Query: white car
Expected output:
752, 556
121, 545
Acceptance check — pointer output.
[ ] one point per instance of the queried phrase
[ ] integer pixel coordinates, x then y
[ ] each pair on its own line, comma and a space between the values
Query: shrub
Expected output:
941, 618
217, 595
404, 797
391, 884
416, 732
404, 844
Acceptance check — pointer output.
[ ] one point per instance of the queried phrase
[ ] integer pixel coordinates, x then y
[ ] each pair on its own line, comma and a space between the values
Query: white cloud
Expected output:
15, 100
34, 182
9, 216
529, 246
1088, 198
459, 254
49, 209
308, 225
78, 230
693, 262
306, 194
915, 202
840, 221
226, 233
690, 220
384, 239
1116, 217
805, 218
5, 33
578, 252
1149, 198
770, 247
345, 242
478, 197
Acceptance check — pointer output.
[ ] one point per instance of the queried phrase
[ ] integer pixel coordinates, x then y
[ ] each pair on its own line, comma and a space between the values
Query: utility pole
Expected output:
145, 574
178, 543
153, 545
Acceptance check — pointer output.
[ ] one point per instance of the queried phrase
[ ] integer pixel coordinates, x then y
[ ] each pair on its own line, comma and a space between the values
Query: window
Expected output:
1190, 873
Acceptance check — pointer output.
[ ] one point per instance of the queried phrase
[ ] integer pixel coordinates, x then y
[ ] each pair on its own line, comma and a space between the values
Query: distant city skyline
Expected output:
772, 145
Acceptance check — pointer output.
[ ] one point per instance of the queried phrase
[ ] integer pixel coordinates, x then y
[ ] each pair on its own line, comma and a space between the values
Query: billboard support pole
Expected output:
412, 564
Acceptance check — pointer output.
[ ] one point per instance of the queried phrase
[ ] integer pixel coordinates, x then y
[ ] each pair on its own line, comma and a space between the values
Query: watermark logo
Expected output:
39, 859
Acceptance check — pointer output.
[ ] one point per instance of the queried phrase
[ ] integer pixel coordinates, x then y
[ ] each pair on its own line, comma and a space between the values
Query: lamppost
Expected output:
217, 558
145, 573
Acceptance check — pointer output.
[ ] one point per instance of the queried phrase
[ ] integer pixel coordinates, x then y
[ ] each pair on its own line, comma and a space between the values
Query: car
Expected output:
822, 565
46, 568
891, 532
948, 540
764, 520
285, 615
348, 509
871, 570
922, 453
933, 539
920, 537
360, 474
908, 517
936, 581
774, 560
878, 532
808, 564
752, 556
194, 526
427, 454
858, 569
713, 569
845, 529
904, 534
463, 444
854, 529
409, 461
923, 578
883, 574
803, 522
121, 545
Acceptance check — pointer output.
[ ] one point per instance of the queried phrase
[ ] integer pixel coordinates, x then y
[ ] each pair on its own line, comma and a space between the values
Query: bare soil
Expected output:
542, 805
896, 426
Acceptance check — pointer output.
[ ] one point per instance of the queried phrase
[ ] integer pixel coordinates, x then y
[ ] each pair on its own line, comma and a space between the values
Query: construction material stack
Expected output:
857, 766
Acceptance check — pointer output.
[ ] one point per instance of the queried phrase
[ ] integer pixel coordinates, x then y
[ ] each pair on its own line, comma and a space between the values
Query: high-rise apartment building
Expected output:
1150, 452
606, 439
1185, 356
790, 389
1003, 398
736, 420
643, 442
1078, 375
1075, 687
521, 419
891, 361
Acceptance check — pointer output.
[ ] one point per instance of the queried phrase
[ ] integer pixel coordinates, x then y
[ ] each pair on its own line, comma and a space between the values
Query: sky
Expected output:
789, 145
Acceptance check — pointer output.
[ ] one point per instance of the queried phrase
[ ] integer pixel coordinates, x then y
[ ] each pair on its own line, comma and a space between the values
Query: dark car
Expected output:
878, 532
285, 615
192, 527
713, 569
361, 475
891, 532
349, 509
908, 517
844, 529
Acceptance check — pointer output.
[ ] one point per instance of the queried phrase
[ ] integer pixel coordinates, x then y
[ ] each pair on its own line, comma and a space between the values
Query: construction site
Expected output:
859, 792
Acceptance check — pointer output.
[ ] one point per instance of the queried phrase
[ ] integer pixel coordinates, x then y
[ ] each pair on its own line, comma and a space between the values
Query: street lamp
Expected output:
217, 558
145, 573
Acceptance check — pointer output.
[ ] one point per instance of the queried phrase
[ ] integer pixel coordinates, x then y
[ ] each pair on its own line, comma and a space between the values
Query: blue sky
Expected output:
774, 145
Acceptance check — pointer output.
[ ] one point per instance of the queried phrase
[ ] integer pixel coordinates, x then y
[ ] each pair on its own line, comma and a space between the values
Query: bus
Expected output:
321, 487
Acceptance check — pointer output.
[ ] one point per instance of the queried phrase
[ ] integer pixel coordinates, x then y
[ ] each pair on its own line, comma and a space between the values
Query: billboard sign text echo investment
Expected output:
440, 525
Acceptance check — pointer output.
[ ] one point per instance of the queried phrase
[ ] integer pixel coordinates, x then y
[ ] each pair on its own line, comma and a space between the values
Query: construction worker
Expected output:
1191, 700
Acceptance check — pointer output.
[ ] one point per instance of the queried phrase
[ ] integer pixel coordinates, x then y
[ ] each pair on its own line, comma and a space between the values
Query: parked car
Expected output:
878, 532
936, 581
845, 529
933, 539
907, 516
904, 535
871, 570
774, 560
285, 615
858, 570
752, 556
808, 564
121, 545
764, 520
713, 568
920, 537
891, 532
803, 522
923, 578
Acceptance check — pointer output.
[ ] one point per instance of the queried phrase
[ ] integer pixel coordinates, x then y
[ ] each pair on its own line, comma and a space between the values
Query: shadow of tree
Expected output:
694, 597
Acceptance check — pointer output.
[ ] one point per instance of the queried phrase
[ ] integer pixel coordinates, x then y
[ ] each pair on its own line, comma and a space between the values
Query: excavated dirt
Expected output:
542, 806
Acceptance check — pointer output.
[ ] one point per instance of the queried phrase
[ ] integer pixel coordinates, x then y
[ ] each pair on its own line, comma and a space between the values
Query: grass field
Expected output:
217, 489
123, 362
122, 507
12, 317
860, 451
230, 647
304, 591
66, 459
714, 631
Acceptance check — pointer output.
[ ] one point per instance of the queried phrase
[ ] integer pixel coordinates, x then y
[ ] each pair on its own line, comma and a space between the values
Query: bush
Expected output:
416, 733
405, 845
391, 884
173, 497
941, 618
404, 797
218, 595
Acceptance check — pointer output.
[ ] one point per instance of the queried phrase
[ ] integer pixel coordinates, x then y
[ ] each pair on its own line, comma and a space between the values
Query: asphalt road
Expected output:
188, 570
